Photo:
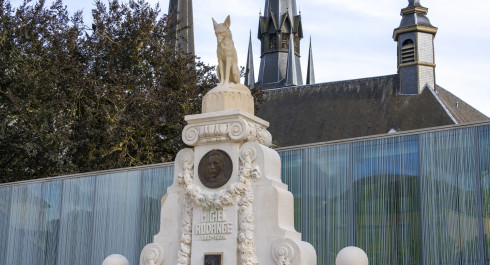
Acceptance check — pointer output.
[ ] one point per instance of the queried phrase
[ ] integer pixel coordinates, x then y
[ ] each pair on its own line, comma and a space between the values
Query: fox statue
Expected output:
227, 71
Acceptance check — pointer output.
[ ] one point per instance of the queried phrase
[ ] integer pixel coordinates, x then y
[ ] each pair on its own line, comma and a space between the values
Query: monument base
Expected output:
248, 220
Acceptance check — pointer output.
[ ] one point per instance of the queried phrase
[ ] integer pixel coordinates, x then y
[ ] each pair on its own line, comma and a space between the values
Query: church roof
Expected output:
415, 19
460, 110
356, 108
414, 15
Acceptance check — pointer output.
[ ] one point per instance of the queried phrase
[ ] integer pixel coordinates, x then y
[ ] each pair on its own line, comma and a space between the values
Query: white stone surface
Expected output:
115, 259
352, 256
249, 220
225, 126
228, 97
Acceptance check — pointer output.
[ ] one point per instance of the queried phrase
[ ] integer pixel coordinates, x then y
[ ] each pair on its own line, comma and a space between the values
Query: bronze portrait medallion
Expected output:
215, 169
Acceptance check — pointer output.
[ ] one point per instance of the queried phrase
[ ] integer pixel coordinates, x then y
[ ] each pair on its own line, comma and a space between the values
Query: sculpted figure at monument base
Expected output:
227, 204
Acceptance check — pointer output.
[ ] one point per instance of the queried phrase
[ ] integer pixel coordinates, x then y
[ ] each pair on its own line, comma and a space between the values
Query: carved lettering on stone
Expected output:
214, 225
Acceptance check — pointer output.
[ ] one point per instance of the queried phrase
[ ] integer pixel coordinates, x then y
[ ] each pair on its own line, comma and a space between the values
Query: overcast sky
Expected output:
353, 38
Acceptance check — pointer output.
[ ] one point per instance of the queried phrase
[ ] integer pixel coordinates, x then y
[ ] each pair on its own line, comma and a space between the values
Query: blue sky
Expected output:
353, 38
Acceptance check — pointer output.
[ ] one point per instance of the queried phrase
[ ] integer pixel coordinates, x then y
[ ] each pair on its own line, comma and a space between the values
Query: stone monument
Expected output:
227, 204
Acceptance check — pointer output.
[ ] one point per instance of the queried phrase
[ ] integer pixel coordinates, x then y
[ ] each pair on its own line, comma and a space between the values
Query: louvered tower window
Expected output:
272, 42
296, 44
285, 41
408, 52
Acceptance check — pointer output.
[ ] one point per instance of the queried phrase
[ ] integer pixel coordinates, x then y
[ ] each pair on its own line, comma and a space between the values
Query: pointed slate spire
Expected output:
249, 71
181, 10
291, 74
310, 74
278, 8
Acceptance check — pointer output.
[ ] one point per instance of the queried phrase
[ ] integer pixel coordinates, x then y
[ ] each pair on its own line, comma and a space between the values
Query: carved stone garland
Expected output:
239, 193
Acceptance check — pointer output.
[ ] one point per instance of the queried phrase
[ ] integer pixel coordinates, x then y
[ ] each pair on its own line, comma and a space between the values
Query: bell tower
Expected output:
415, 47
280, 32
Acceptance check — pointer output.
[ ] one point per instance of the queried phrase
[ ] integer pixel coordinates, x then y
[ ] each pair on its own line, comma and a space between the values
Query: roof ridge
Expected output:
459, 101
332, 82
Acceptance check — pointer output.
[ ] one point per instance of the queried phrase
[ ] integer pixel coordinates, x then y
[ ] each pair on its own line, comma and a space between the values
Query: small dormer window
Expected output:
272, 42
296, 44
285, 41
408, 52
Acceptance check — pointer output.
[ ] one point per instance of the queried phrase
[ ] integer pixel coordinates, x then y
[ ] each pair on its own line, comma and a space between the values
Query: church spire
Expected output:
181, 10
280, 32
249, 71
310, 74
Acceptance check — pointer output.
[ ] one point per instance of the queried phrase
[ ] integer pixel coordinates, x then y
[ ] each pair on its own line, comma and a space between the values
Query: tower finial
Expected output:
310, 74
249, 70
414, 3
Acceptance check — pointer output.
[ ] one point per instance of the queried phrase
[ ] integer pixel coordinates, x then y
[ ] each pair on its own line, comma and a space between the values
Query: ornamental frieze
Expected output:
238, 130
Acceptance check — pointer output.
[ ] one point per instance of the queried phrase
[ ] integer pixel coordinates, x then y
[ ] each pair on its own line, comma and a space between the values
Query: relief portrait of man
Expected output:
215, 169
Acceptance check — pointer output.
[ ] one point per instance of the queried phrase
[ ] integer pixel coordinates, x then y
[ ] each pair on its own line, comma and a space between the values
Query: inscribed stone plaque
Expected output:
215, 169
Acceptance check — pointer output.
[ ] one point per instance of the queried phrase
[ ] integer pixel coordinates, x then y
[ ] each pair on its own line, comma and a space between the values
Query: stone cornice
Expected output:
414, 9
417, 63
418, 28
225, 126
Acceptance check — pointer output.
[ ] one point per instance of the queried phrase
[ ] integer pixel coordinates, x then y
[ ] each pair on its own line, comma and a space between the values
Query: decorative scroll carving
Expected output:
282, 253
239, 193
190, 135
238, 130
152, 254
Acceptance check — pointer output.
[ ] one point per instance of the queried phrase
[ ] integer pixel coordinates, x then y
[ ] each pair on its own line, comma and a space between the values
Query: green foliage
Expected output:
76, 99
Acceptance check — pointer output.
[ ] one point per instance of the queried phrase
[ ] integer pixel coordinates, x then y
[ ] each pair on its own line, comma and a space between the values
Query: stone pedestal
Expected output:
227, 204
228, 97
